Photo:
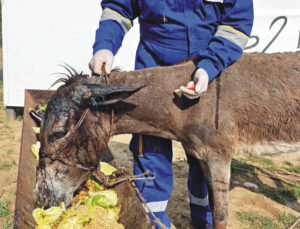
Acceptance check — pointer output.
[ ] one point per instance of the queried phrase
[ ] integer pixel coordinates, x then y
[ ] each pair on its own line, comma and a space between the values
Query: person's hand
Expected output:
198, 86
101, 62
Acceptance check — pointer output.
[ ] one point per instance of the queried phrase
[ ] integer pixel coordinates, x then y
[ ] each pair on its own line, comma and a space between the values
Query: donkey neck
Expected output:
153, 110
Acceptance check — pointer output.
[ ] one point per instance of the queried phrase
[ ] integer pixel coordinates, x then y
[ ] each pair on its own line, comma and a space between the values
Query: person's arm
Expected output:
116, 20
230, 38
225, 47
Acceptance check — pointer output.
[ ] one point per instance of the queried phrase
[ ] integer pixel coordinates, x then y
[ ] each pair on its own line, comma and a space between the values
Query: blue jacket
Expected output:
213, 31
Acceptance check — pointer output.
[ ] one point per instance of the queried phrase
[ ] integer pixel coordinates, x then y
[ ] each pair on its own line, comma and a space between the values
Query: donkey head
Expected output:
74, 139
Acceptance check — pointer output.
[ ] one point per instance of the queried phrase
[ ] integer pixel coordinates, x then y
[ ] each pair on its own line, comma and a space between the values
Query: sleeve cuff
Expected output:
103, 45
109, 36
209, 67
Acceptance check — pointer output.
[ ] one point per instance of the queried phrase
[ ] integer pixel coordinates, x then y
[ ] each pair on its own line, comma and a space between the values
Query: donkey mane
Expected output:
68, 79
74, 75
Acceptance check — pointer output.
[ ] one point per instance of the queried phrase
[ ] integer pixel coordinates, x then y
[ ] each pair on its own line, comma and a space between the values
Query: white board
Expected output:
38, 36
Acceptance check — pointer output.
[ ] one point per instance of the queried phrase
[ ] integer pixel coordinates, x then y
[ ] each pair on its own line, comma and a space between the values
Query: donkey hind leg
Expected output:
219, 175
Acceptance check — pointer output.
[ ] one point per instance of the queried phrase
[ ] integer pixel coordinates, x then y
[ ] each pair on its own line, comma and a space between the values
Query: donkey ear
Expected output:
117, 93
101, 95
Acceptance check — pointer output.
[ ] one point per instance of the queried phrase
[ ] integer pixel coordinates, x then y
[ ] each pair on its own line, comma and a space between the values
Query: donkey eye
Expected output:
56, 135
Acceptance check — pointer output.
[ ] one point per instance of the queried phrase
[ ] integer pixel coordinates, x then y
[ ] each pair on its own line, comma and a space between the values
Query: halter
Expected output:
57, 156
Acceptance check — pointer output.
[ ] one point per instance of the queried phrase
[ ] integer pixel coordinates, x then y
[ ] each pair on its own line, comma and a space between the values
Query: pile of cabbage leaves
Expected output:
93, 207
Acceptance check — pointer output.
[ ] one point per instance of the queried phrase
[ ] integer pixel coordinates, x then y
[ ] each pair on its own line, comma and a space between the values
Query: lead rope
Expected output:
133, 178
156, 220
111, 125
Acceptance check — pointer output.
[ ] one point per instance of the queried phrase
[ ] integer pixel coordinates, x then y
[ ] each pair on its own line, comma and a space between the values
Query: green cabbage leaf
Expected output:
44, 218
106, 199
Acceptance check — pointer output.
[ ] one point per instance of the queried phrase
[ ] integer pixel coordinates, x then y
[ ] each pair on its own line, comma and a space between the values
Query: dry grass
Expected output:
10, 139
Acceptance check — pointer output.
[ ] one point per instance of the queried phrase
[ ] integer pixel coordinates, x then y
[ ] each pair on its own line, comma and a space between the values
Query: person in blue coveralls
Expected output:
212, 31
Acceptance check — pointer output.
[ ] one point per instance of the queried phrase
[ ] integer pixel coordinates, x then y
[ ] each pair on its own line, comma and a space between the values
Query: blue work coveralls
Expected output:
213, 31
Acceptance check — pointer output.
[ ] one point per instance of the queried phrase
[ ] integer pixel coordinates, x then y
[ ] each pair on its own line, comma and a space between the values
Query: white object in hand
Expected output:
198, 86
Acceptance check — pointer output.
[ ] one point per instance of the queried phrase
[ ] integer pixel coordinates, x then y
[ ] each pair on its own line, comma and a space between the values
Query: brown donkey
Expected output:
255, 101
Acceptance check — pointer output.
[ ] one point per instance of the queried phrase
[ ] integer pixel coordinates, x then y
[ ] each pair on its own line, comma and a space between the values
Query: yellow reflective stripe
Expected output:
141, 145
120, 15
235, 30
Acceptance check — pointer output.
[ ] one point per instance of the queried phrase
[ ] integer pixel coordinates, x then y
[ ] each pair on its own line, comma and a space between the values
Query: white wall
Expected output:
39, 35
287, 14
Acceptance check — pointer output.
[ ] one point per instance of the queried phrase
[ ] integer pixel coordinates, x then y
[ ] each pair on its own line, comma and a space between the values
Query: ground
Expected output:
265, 208
272, 205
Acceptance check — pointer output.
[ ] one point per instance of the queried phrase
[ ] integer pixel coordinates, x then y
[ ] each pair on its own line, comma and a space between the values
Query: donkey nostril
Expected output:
40, 201
46, 203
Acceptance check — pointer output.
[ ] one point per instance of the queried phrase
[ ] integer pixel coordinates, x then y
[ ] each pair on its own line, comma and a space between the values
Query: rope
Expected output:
53, 157
156, 220
133, 178
294, 224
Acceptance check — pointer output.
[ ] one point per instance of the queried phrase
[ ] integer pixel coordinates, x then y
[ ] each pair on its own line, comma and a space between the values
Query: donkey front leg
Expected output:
219, 171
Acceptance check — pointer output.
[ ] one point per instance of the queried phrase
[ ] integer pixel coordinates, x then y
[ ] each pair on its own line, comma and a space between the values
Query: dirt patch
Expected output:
243, 200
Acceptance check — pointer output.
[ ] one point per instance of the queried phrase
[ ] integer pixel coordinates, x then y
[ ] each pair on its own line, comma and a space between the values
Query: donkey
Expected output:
255, 101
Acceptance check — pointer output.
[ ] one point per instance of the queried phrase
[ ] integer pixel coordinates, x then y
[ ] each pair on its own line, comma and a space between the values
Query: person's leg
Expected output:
154, 154
198, 193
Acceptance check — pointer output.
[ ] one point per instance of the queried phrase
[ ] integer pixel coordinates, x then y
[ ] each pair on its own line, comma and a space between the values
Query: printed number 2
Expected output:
284, 18
277, 34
